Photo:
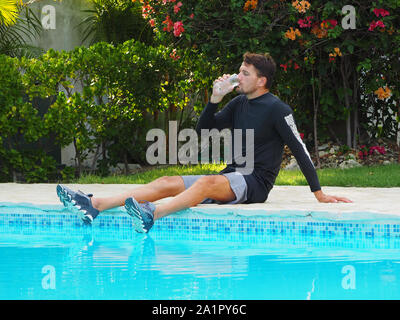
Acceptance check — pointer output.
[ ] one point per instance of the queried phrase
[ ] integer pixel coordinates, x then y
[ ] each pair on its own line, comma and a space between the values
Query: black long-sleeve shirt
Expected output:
274, 126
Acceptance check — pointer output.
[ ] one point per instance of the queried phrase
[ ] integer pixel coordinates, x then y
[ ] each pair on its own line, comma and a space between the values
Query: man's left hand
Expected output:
322, 197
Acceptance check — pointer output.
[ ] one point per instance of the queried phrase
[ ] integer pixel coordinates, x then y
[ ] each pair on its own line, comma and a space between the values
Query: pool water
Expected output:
78, 262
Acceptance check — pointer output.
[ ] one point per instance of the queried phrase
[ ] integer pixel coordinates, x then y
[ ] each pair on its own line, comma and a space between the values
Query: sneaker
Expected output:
81, 201
142, 214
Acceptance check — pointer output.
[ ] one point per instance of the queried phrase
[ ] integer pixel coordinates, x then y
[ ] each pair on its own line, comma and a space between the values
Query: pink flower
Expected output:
381, 12
177, 7
379, 23
178, 28
374, 24
381, 150
191, 16
305, 23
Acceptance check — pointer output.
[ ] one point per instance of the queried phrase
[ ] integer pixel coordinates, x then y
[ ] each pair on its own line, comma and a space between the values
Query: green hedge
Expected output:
103, 99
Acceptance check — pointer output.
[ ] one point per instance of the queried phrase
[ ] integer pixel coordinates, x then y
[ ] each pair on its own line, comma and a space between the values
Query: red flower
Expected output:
177, 7
301, 136
381, 150
152, 22
284, 66
381, 12
169, 24
289, 64
374, 24
329, 24
178, 28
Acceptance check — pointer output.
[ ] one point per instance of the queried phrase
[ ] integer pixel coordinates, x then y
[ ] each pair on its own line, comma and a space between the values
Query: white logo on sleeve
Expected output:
292, 125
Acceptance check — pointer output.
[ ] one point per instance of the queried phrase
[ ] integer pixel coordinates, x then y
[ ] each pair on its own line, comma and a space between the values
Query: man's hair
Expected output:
264, 64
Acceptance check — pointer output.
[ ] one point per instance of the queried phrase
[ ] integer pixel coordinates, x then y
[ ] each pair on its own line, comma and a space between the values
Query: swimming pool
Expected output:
47, 254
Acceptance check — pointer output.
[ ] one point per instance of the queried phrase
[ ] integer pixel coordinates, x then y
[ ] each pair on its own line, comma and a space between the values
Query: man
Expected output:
255, 108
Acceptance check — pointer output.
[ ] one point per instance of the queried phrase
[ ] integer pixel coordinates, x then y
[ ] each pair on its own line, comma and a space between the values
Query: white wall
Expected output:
68, 14
63, 35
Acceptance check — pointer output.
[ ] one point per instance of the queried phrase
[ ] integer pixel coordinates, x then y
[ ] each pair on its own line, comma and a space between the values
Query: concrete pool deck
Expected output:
372, 203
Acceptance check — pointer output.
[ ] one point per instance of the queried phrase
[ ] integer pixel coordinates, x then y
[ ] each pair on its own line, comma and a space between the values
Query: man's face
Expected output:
249, 82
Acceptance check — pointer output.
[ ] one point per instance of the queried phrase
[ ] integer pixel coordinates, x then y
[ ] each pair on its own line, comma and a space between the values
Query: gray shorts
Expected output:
236, 181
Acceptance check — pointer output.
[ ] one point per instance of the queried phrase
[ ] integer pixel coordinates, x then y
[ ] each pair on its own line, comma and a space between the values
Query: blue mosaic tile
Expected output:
60, 218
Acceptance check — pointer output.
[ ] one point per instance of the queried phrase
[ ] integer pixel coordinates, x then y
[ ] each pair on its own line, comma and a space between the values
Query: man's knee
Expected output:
172, 183
210, 182
216, 187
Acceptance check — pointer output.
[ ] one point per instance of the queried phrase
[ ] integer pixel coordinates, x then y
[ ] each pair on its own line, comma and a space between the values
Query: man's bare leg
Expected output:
216, 187
158, 189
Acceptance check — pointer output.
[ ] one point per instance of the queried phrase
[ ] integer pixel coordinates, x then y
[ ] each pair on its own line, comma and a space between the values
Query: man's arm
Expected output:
221, 120
287, 129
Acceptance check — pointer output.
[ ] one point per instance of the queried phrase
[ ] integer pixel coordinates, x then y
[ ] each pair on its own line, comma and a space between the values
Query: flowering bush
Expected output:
364, 151
165, 15
379, 149
326, 72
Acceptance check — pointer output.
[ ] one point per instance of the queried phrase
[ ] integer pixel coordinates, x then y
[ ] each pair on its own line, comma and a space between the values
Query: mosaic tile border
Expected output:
27, 217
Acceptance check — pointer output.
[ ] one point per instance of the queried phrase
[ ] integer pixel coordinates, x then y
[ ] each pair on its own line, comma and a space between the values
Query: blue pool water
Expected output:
47, 254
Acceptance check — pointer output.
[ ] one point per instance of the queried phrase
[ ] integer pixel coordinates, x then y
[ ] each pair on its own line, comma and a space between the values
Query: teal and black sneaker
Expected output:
142, 214
80, 201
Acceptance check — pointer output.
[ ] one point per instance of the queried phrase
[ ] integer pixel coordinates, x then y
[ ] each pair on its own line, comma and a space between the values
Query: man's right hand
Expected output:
217, 95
